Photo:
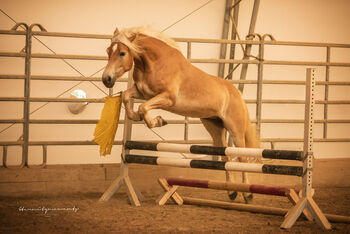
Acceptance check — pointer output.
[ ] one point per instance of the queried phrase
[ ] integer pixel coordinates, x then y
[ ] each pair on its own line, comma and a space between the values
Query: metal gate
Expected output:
261, 45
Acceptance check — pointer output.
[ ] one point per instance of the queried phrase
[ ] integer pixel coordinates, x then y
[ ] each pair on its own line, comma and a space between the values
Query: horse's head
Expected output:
120, 60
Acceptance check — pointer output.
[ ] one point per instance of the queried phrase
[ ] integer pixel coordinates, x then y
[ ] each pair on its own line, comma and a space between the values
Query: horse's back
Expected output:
200, 94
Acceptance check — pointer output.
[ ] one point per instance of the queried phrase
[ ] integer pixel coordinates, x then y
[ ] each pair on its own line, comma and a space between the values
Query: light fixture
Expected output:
76, 108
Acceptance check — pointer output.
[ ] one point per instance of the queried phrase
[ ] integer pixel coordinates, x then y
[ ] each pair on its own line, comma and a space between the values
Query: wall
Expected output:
316, 21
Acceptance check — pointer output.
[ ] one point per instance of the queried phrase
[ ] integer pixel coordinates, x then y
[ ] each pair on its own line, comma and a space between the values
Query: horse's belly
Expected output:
195, 109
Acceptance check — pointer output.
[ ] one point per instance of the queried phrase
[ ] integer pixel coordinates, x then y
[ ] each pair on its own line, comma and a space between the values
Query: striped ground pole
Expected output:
215, 165
211, 150
210, 184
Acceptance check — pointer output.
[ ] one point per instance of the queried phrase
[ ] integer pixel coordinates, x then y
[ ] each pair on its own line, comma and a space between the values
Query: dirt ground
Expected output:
82, 213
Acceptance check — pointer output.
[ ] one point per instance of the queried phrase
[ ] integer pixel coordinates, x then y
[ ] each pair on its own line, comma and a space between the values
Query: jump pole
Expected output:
215, 165
254, 208
212, 150
170, 185
240, 187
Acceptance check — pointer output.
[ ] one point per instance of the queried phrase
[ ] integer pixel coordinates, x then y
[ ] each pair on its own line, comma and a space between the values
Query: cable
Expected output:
186, 16
69, 64
65, 61
8, 16
40, 107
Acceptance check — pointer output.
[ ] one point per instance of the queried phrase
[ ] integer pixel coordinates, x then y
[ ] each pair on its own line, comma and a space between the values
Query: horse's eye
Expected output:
122, 54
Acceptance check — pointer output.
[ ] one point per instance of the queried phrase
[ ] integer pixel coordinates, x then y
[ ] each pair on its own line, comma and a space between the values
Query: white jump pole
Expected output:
212, 150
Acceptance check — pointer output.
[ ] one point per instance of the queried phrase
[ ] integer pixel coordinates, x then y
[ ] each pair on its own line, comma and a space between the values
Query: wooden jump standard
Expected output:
305, 204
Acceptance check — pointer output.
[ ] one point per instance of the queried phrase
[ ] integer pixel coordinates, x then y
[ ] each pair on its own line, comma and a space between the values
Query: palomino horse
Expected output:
167, 80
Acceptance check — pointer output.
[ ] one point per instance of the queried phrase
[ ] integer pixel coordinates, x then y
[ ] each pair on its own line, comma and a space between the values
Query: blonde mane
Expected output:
124, 35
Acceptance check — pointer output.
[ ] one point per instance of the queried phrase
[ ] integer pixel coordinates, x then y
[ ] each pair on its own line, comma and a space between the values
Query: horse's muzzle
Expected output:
108, 81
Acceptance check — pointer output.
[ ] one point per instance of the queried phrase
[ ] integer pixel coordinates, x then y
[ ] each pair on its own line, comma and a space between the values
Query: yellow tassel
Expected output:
107, 125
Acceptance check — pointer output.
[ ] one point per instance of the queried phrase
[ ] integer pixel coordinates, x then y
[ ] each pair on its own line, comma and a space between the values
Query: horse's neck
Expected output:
153, 49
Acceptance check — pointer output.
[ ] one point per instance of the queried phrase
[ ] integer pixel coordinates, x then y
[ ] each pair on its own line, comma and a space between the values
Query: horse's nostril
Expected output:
108, 81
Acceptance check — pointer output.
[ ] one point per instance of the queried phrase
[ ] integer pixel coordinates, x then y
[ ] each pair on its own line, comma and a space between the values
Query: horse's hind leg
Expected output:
237, 132
218, 133
216, 130
247, 196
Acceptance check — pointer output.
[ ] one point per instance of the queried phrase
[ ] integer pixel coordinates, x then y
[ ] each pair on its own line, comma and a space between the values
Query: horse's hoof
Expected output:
161, 121
232, 195
248, 198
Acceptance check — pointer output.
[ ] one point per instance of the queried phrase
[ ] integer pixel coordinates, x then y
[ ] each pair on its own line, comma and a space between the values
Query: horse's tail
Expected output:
251, 137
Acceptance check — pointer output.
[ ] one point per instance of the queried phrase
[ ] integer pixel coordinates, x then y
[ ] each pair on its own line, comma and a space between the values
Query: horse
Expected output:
167, 80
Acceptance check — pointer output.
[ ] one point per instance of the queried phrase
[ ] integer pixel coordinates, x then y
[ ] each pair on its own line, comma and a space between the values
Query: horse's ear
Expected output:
132, 38
116, 31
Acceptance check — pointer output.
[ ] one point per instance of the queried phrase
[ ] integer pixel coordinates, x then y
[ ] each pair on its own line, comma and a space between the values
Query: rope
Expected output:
239, 38
233, 69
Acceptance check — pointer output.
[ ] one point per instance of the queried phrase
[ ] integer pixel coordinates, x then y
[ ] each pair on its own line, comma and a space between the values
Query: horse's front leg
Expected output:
160, 101
126, 97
